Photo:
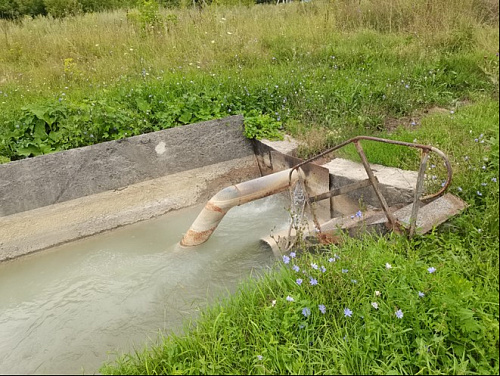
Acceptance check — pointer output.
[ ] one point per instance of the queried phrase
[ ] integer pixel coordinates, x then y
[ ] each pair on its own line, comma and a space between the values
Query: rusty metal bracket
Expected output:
394, 224
426, 149
341, 190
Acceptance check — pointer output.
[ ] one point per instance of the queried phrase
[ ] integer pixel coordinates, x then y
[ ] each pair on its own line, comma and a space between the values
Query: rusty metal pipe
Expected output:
375, 186
235, 195
418, 191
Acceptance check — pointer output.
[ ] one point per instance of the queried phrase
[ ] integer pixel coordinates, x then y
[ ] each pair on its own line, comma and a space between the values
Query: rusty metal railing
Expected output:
373, 181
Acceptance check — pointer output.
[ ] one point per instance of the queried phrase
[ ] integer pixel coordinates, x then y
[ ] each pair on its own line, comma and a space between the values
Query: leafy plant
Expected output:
262, 126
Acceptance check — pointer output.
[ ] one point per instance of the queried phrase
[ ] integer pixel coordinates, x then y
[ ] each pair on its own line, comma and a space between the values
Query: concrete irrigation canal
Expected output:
101, 247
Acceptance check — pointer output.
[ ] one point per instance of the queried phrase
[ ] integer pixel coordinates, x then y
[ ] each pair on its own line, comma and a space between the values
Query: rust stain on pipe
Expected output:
213, 207
193, 237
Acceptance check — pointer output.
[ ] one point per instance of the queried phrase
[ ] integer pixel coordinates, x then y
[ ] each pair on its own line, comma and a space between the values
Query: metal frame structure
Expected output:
373, 181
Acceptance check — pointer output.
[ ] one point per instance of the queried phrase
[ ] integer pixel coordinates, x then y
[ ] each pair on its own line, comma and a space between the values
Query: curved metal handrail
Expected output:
425, 148
395, 142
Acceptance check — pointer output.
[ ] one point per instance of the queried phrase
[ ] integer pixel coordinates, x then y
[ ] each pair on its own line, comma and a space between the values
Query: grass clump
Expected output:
333, 91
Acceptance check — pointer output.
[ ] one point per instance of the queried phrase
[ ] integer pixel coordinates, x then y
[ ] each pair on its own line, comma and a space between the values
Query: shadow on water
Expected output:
64, 310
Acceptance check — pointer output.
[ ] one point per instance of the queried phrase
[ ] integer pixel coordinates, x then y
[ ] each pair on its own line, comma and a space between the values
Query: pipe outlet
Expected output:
235, 195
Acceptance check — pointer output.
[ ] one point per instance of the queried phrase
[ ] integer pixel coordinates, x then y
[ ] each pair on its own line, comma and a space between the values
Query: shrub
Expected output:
62, 8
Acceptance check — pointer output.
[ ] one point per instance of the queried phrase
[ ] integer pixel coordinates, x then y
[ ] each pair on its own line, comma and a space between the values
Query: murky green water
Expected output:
69, 309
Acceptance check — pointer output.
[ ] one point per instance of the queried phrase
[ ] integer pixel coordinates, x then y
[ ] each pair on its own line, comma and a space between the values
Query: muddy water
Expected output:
69, 309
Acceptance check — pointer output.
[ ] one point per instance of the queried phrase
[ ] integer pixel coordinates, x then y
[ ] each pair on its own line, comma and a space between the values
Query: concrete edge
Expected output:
41, 228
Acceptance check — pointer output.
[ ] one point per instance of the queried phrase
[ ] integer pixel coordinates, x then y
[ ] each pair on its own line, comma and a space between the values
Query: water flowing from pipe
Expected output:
63, 310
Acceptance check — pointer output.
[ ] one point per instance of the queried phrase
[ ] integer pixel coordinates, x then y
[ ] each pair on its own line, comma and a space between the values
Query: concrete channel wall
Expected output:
53, 178
64, 196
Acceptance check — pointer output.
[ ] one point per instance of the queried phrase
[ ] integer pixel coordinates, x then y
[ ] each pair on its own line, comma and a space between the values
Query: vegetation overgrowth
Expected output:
16, 9
335, 67
322, 71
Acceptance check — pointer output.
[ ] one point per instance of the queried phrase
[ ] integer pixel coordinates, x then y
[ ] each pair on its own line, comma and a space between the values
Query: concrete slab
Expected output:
263, 149
430, 215
397, 185
287, 146
397, 178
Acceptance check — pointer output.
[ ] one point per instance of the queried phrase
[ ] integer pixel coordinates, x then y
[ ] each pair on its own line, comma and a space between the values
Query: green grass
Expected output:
349, 87
452, 329
466, 134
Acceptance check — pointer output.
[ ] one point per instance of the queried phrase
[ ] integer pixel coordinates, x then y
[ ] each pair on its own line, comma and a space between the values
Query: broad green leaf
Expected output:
40, 131
29, 150
185, 117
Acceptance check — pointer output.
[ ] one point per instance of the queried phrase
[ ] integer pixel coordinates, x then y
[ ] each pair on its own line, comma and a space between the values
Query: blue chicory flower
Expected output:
347, 312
